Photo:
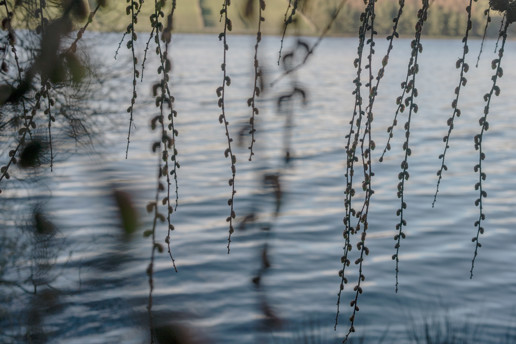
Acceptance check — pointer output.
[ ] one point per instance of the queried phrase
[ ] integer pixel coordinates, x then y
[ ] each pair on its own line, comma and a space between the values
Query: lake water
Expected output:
101, 279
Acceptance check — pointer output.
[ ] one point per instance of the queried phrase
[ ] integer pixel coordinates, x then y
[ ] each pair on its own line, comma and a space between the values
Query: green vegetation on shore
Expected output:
203, 16
447, 18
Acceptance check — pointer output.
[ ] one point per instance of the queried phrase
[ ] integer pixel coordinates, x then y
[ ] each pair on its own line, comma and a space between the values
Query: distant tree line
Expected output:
443, 20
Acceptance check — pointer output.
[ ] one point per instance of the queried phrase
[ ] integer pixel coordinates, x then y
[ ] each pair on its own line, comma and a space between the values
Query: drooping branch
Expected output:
487, 13
147, 45
496, 64
366, 146
153, 208
408, 98
221, 92
502, 25
166, 37
366, 152
165, 146
464, 67
289, 18
133, 10
351, 156
251, 102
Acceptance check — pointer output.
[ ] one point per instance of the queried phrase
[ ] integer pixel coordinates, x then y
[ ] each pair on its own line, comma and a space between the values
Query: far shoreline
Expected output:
302, 34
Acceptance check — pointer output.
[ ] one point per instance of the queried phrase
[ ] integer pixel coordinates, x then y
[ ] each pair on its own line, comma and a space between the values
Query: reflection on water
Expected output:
98, 289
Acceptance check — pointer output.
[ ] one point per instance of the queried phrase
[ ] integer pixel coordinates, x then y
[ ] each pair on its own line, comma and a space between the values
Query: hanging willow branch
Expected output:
151, 36
221, 92
133, 10
496, 64
152, 207
351, 156
165, 147
289, 18
464, 67
381, 72
385, 60
487, 13
168, 132
166, 66
408, 99
367, 146
251, 102
366, 155
502, 25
